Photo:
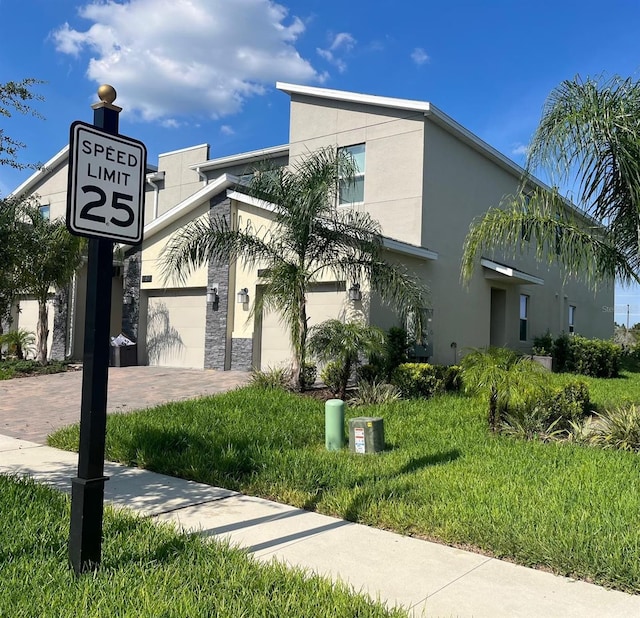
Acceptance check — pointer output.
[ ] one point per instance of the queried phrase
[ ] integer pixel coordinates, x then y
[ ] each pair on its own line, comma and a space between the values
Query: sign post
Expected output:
105, 200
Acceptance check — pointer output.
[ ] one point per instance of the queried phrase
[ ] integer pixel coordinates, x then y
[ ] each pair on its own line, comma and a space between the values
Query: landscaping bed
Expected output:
10, 369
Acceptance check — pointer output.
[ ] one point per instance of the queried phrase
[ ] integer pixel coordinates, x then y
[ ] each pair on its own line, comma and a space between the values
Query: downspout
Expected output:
203, 176
152, 179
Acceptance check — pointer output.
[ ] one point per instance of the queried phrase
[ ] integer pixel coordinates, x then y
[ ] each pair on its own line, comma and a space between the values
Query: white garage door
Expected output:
28, 319
324, 302
176, 329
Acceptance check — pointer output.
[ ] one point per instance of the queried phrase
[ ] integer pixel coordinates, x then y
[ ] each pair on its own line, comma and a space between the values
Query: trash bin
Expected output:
123, 352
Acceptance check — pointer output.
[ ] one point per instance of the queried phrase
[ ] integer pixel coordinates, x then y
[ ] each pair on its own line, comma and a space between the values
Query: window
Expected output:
572, 318
524, 316
352, 192
45, 211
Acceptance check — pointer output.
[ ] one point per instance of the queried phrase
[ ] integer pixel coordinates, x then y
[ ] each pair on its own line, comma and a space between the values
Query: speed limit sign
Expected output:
105, 195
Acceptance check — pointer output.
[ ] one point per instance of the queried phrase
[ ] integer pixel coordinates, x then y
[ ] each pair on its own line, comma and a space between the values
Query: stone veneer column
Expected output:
131, 287
215, 339
60, 324
242, 354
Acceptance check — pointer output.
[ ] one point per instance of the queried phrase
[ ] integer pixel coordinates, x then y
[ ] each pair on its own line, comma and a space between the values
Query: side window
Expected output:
572, 318
524, 316
352, 192
45, 211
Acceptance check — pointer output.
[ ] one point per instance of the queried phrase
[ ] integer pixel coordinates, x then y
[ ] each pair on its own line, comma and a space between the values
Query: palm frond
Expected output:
547, 229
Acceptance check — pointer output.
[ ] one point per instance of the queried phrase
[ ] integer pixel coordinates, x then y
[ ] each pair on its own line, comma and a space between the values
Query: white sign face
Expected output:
105, 195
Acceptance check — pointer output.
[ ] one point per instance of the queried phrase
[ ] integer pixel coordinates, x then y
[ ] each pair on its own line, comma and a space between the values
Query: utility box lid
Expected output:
366, 434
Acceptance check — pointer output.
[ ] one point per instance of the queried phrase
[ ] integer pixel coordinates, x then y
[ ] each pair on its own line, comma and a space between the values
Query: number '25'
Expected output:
116, 204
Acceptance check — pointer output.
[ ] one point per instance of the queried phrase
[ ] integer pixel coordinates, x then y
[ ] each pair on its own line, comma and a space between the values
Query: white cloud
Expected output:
419, 56
225, 129
520, 150
341, 43
171, 58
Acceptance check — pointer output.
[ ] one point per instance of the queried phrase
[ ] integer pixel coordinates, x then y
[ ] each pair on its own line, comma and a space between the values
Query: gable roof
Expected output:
222, 183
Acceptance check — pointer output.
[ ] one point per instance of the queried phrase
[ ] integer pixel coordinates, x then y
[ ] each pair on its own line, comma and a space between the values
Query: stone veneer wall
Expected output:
242, 354
131, 286
60, 324
215, 342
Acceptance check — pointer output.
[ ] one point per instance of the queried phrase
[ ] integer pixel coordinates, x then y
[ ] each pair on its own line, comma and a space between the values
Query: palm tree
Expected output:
343, 343
505, 377
590, 131
309, 240
53, 256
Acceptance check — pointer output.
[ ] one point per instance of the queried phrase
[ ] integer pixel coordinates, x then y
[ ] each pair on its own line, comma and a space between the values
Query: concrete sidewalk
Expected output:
426, 578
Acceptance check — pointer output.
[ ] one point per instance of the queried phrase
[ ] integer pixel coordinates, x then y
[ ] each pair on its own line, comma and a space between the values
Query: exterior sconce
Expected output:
243, 296
212, 295
127, 299
354, 292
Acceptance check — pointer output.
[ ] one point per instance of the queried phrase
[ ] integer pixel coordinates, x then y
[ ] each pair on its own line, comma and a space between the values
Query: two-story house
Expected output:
421, 175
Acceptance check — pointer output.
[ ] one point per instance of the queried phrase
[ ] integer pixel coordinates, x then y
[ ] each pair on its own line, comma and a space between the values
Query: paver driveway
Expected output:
32, 408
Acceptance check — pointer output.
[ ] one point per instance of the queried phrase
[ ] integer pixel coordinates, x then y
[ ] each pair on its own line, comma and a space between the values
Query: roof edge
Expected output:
38, 175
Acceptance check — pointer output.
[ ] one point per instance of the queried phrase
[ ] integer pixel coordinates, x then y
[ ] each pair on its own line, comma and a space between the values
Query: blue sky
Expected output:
189, 72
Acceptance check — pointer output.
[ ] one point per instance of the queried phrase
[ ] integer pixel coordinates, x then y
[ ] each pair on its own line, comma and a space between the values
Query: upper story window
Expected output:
45, 211
352, 192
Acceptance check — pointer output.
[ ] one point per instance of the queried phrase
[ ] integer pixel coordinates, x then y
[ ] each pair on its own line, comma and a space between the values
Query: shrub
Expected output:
551, 415
271, 378
309, 374
333, 376
369, 373
449, 377
543, 344
334, 341
372, 393
597, 358
394, 353
20, 343
561, 353
415, 380
618, 428
569, 402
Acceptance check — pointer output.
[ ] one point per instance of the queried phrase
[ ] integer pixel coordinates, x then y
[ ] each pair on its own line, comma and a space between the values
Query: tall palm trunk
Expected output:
43, 332
300, 346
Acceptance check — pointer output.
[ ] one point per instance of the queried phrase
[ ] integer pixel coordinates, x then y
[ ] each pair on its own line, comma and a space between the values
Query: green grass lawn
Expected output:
147, 571
568, 508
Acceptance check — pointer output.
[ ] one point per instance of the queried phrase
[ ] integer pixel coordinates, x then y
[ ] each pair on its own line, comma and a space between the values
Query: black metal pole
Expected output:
87, 489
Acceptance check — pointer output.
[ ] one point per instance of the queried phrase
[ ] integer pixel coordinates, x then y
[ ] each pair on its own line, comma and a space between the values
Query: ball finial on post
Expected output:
107, 93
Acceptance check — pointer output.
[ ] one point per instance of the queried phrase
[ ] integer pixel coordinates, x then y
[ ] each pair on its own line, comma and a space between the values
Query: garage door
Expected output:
324, 302
28, 319
176, 329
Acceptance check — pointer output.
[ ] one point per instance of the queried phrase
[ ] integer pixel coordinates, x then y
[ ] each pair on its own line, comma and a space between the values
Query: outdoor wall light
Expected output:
243, 296
354, 292
212, 295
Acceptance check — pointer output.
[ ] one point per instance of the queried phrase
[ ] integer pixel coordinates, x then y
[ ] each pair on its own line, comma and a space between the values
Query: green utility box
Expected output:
366, 434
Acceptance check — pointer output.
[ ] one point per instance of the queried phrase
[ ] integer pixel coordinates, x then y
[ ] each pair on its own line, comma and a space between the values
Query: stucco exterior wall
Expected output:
393, 155
179, 180
461, 184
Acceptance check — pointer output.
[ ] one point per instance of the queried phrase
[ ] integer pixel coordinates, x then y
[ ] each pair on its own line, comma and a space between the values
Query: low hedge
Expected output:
597, 358
423, 380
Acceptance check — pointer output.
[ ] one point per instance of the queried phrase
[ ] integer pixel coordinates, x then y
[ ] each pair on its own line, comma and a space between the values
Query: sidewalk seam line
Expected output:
453, 581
